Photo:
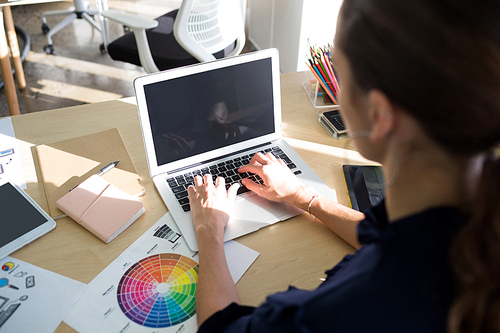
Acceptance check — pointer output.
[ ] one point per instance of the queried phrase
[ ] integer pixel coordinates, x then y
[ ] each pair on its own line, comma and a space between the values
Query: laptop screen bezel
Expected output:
141, 82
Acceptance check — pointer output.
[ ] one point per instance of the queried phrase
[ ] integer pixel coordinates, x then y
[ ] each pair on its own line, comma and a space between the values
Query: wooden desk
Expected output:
295, 252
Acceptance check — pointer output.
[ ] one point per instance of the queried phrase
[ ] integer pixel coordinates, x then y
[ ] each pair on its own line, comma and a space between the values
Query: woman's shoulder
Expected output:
434, 223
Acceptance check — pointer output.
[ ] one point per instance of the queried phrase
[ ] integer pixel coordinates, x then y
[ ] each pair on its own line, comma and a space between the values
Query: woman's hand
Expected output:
280, 184
210, 208
210, 204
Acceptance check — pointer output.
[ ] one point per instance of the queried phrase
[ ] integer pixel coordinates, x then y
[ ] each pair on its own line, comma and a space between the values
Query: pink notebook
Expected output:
101, 208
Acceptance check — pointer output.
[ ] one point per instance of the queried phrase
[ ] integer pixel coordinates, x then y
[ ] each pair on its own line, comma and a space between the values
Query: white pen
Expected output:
107, 168
102, 171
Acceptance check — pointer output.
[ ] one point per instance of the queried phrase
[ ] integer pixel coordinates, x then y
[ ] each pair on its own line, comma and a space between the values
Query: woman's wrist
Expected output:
304, 197
212, 232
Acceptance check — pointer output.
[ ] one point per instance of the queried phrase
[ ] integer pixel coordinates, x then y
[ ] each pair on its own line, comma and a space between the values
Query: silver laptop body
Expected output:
213, 117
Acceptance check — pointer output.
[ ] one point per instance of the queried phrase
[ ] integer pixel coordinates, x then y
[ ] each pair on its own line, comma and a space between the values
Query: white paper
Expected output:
33, 299
10, 159
127, 296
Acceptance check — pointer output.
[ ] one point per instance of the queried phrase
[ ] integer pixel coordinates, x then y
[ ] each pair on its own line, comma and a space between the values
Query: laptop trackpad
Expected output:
253, 213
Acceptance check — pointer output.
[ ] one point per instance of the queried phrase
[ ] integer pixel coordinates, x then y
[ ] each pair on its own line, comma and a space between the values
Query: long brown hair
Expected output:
440, 61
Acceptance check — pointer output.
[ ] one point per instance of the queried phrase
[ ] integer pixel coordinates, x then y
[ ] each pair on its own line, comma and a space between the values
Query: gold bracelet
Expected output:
310, 204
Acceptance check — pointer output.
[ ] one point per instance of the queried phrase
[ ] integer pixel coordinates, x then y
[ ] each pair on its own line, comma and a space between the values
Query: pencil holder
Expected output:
316, 91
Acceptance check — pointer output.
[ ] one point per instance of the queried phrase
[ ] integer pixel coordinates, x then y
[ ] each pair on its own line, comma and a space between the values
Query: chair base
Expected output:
81, 11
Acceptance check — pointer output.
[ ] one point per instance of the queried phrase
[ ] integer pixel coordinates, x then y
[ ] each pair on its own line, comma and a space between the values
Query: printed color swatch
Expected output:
159, 291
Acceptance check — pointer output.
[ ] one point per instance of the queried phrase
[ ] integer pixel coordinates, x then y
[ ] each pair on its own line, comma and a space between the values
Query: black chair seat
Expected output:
166, 52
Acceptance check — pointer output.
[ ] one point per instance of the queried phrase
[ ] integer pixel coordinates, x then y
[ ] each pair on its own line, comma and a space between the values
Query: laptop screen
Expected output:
205, 111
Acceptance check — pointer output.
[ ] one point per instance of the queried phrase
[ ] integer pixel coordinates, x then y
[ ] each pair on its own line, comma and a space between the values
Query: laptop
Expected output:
212, 118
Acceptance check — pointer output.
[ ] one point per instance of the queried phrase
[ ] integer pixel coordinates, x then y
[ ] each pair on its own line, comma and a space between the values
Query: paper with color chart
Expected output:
33, 299
151, 286
10, 159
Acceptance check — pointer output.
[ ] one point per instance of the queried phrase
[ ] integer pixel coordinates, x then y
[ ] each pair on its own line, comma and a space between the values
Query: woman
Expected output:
421, 95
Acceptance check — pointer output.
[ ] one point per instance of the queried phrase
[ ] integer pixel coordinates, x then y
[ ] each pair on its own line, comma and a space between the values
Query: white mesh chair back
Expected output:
204, 27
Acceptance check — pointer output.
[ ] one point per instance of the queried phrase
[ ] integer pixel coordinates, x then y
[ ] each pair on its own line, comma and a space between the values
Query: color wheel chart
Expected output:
159, 291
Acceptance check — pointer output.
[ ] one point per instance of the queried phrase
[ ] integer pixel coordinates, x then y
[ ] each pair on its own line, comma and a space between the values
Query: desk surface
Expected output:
294, 252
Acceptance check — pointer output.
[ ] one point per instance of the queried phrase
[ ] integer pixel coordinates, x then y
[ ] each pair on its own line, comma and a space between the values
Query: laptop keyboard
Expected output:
228, 170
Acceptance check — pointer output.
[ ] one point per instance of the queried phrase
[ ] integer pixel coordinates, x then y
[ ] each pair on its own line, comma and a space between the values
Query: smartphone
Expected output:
333, 124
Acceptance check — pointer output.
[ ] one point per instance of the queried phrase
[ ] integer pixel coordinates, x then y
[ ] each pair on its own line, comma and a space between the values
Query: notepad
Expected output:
65, 164
101, 208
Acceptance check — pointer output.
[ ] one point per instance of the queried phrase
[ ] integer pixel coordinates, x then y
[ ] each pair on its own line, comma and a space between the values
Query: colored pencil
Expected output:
320, 81
330, 75
326, 62
322, 68
319, 60
326, 77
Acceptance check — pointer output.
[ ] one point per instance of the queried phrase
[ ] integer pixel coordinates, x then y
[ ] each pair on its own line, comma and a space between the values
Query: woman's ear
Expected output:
382, 115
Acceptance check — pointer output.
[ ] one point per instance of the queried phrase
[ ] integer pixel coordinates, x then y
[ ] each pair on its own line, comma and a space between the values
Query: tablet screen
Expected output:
365, 185
17, 214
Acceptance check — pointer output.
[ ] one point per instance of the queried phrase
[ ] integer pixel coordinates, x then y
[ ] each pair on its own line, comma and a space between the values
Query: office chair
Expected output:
200, 30
80, 10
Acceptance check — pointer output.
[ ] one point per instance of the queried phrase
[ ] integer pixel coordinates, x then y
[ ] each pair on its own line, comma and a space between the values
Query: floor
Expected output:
77, 73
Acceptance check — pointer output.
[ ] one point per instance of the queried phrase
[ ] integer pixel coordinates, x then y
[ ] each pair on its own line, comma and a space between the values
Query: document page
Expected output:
10, 159
28, 291
151, 286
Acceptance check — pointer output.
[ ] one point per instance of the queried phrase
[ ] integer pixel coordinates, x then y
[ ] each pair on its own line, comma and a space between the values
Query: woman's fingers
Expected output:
271, 157
252, 186
259, 158
198, 181
208, 182
232, 191
191, 192
257, 169
220, 184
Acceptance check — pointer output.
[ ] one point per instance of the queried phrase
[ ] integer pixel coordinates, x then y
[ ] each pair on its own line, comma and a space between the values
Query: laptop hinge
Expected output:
217, 158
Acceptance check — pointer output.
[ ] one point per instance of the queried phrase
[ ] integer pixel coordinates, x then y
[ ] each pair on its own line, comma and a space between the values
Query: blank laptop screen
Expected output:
202, 112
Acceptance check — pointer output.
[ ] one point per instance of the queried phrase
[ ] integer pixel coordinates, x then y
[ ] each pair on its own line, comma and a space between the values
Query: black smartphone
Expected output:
365, 185
333, 124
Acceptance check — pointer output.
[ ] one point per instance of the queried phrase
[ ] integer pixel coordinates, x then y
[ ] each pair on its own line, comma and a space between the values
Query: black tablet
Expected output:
365, 184
22, 220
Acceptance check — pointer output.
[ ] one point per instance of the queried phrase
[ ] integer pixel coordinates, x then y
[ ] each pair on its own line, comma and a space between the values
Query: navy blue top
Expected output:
399, 281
